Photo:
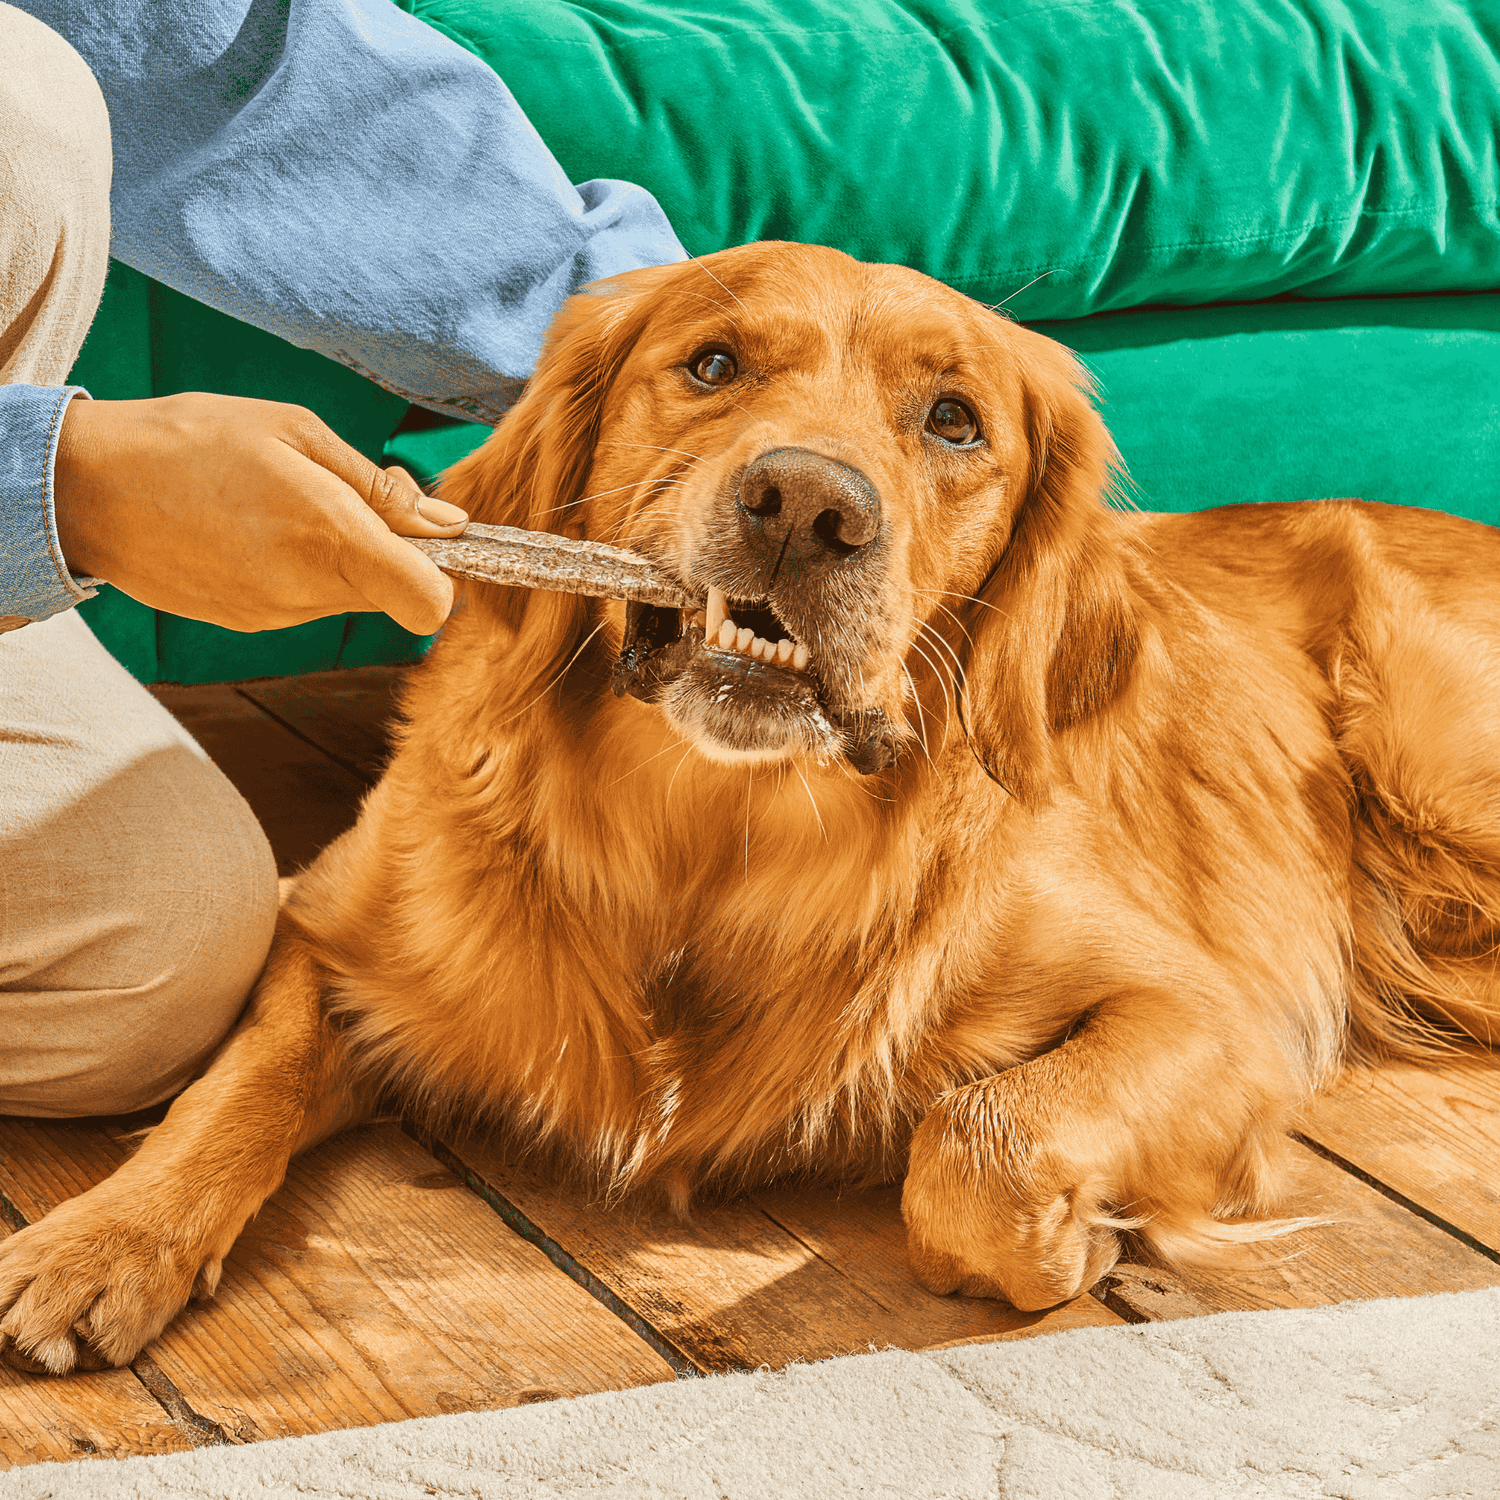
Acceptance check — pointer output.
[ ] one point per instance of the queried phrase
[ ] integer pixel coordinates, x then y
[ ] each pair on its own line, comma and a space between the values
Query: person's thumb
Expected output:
396, 498
412, 590
389, 573
397, 579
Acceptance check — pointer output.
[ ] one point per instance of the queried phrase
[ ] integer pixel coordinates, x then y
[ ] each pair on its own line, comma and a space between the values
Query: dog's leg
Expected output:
102, 1274
1019, 1184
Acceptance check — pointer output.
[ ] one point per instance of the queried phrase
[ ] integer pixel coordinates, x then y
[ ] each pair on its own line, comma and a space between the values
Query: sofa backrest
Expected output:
1067, 158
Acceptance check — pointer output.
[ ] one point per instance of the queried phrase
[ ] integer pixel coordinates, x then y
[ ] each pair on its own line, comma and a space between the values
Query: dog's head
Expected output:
871, 480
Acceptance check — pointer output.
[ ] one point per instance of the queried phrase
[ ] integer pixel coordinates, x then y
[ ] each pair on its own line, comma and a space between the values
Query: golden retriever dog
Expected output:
975, 831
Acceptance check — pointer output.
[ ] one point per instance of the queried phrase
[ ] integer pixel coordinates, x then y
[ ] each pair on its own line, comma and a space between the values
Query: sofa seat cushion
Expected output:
1385, 398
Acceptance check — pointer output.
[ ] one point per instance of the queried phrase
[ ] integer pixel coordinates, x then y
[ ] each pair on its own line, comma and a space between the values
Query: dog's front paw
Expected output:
997, 1206
95, 1281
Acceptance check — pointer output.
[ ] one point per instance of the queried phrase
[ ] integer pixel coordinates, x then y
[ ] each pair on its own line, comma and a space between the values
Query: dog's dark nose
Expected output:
811, 507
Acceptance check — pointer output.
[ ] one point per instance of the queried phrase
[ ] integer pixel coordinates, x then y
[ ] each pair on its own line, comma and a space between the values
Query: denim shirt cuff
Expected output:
34, 580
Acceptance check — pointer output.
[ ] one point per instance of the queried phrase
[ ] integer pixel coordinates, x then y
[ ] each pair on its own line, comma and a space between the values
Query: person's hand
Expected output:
249, 514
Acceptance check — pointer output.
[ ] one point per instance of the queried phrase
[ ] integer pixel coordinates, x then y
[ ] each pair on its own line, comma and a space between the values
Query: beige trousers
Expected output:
137, 891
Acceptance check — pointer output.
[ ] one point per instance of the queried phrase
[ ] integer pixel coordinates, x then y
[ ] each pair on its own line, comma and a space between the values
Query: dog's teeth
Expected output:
719, 629
715, 613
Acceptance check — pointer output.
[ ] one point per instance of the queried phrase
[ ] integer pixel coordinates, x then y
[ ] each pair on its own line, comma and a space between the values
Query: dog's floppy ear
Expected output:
534, 470
1054, 630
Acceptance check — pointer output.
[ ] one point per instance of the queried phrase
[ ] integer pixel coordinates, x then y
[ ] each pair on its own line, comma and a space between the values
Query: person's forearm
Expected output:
35, 581
341, 174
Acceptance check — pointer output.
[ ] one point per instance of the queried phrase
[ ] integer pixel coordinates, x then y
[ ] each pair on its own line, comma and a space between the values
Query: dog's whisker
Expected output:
996, 306
947, 710
926, 636
943, 646
921, 719
707, 272
969, 638
921, 715
567, 666
600, 494
967, 598
630, 509
811, 799
569, 504
641, 767
655, 447
936, 665
959, 678
704, 297
667, 800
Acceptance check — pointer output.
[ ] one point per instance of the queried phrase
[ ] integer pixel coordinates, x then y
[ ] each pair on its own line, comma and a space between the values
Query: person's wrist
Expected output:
75, 492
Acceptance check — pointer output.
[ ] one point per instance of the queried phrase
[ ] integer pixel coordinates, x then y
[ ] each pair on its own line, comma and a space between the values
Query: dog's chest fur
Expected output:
802, 1009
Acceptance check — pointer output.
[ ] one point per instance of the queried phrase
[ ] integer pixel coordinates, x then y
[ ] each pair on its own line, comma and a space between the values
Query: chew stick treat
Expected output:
539, 560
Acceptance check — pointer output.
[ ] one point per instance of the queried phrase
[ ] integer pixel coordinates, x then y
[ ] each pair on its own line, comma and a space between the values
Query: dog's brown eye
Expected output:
715, 367
953, 422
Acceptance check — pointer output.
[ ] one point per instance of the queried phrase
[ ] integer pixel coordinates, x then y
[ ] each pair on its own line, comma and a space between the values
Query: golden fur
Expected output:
1184, 810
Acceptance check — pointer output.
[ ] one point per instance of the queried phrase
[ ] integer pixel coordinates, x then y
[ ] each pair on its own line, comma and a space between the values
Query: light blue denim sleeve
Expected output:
34, 580
343, 175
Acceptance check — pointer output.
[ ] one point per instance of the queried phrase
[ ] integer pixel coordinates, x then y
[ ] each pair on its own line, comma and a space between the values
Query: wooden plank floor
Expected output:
392, 1278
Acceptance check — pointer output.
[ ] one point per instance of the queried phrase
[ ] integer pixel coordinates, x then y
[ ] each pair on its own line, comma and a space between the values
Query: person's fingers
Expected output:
391, 493
390, 574
398, 500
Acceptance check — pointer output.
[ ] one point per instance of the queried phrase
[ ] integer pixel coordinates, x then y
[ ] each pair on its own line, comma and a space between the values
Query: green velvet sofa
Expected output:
1269, 229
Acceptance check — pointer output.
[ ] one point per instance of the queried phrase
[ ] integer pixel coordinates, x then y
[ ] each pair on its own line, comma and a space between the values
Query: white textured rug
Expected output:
1395, 1400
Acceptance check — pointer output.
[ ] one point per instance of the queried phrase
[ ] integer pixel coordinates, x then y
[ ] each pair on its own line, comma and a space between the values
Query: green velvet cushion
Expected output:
1125, 151
1384, 398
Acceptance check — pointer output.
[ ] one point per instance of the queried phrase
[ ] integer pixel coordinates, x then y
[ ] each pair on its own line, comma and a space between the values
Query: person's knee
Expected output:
55, 167
150, 943
206, 954
54, 117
